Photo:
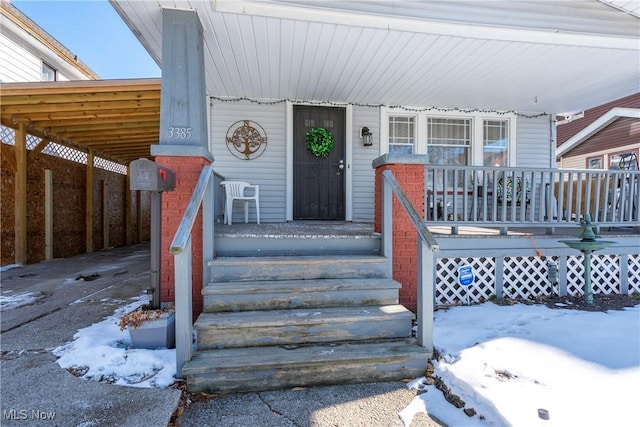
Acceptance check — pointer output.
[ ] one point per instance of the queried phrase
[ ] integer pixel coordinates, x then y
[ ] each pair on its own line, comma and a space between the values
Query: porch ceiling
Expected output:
118, 119
525, 56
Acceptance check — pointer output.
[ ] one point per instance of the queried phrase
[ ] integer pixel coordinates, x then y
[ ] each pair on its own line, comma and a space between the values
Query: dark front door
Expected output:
318, 182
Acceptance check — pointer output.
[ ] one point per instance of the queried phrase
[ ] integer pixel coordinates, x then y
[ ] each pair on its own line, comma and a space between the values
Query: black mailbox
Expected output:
148, 175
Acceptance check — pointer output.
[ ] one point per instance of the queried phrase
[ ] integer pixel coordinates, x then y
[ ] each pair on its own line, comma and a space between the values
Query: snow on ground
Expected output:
10, 302
505, 362
102, 352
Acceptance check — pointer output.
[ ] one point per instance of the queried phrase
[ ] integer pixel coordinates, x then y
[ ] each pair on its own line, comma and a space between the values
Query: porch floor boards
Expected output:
360, 230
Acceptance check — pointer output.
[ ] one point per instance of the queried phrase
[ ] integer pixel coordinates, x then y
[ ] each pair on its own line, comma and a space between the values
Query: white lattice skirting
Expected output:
527, 277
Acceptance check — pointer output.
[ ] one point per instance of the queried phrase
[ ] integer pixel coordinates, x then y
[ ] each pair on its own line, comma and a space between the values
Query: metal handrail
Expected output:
427, 248
181, 249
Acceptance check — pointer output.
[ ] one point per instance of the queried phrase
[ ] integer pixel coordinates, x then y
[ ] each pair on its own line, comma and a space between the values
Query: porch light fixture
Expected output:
366, 135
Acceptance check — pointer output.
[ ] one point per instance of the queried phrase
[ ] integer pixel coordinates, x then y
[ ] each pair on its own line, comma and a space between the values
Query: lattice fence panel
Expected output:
526, 277
99, 162
7, 135
575, 274
634, 273
449, 292
605, 274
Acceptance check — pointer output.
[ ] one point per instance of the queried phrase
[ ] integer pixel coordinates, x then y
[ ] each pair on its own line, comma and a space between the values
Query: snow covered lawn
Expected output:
505, 362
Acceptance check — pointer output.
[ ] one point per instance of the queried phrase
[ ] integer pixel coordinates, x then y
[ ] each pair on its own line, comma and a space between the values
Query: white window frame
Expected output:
477, 133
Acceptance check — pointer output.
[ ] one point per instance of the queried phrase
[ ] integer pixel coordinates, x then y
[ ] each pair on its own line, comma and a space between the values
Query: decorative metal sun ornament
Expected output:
246, 139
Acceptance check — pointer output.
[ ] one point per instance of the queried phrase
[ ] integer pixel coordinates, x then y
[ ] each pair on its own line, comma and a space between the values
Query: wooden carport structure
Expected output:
117, 120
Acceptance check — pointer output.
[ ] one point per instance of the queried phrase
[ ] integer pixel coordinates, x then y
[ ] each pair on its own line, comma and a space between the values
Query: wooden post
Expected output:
105, 214
89, 203
139, 215
21, 196
48, 214
128, 221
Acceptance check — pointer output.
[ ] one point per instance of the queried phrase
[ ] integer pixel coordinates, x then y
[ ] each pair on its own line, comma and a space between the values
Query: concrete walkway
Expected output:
36, 391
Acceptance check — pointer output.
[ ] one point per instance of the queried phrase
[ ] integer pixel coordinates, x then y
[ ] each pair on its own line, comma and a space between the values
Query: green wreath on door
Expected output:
320, 142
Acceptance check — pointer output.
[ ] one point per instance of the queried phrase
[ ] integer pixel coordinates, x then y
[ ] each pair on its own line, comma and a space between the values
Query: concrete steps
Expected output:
302, 326
279, 321
275, 367
240, 269
284, 294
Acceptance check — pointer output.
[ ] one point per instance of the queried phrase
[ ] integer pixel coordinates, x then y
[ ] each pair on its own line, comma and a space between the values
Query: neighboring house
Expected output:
30, 54
600, 137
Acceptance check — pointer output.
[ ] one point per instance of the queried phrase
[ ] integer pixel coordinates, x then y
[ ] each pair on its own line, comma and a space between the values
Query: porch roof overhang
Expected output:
117, 119
525, 56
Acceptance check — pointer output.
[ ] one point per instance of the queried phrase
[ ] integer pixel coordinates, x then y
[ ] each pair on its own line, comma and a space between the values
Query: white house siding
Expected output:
534, 142
363, 172
18, 64
268, 170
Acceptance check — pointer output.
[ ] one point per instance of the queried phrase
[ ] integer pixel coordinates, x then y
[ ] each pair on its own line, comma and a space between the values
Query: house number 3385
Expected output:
179, 133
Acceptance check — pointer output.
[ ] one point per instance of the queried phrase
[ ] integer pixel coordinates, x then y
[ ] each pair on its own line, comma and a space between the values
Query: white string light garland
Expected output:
359, 104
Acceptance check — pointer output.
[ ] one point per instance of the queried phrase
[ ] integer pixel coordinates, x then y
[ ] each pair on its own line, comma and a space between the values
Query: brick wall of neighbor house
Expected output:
405, 239
69, 198
174, 204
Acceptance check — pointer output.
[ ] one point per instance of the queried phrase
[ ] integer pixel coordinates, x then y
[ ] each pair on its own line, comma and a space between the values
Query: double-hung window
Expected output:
49, 74
451, 138
495, 143
448, 140
402, 134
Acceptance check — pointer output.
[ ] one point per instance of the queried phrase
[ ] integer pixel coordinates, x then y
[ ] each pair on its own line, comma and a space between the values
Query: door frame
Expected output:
348, 153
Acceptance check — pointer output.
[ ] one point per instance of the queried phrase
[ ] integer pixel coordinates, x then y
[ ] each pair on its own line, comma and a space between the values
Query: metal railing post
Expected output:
184, 314
426, 283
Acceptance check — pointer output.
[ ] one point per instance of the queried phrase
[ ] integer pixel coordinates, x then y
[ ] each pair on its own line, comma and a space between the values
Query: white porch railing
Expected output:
525, 197
203, 195
427, 248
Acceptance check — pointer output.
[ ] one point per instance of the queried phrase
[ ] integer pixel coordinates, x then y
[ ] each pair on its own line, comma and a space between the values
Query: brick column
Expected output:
405, 239
174, 204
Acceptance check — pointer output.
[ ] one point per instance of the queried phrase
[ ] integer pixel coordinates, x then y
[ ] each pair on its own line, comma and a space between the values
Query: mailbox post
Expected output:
149, 176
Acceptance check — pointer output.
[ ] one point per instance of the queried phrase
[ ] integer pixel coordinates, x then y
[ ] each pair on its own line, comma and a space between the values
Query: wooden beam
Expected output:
48, 214
80, 109
128, 214
9, 156
105, 214
89, 203
123, 85
65, 98
20, 244
37, 149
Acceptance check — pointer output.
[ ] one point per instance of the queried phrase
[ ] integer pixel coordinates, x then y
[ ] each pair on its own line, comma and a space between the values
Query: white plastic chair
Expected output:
235, 190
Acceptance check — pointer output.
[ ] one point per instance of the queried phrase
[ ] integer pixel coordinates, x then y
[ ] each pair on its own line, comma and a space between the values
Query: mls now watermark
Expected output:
27, 414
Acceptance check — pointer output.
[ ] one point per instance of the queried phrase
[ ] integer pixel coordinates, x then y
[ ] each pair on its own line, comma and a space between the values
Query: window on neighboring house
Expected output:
448, 141
49, 74
594, 163
495, 143
402, 134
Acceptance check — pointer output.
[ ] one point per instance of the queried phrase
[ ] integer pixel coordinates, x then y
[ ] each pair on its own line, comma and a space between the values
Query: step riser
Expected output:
249, 246
285, 300
303, 333
265, 378
234, 270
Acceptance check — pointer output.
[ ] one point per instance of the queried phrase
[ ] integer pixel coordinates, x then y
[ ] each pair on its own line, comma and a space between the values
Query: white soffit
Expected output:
316, 51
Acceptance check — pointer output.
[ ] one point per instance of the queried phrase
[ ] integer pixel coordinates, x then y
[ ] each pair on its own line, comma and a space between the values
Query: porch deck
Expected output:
360, 230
